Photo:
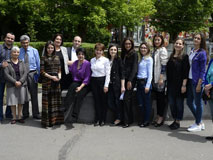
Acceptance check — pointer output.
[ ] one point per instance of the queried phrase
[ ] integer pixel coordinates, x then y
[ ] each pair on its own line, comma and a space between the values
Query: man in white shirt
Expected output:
72, 51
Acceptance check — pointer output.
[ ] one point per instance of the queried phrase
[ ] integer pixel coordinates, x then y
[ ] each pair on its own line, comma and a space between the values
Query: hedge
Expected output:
40, 45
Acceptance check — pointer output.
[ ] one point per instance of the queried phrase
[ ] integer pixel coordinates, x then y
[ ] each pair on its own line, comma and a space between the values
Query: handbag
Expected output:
205, 97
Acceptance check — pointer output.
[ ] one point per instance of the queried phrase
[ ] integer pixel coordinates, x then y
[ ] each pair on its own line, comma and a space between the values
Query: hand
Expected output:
78, 89
146, 90
55, 78
69, 63
183, 89
18, 84
4, 64
198, 88
208, 87
160, 82
123, 89
105, 89
129, 85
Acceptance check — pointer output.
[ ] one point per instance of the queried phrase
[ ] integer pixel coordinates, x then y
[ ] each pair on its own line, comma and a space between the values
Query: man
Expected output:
31, 58
5, 50
72, 51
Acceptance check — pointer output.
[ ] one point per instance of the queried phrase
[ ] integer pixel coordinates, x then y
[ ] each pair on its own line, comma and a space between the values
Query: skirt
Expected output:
17, 95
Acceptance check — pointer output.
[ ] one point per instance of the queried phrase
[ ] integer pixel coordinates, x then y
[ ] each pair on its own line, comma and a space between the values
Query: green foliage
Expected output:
182, 15
91, 19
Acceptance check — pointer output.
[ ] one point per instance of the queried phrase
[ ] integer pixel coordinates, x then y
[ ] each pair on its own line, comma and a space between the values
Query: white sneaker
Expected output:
202, 126
195, 128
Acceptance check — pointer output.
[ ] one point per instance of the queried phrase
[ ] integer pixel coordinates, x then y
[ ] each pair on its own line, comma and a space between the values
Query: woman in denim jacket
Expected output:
197, 60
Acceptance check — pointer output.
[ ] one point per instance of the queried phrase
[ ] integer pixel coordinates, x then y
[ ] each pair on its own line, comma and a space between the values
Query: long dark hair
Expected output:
203, 44
162, 40
173, 53
108, 53
46, 45
124, 52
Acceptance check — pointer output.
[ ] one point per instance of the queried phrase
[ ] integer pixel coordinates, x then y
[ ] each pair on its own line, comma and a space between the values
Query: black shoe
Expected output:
210, 138
144, 124
102, 124
153, 123
25, 117
20, 121
37, 117
174, 126
158, 124
125, 126
171, 125
96, 123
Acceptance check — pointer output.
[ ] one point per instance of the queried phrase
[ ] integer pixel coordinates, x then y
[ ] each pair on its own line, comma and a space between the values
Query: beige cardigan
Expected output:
161, 58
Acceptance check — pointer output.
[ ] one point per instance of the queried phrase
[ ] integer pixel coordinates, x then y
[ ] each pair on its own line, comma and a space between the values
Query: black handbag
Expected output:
205, 97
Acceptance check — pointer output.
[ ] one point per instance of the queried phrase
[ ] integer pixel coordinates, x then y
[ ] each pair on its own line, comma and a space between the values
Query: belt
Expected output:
32, 71
142, 79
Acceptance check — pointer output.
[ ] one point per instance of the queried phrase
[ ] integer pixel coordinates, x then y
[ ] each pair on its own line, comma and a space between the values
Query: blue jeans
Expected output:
144, 100
176, 106
8, 112
194, 101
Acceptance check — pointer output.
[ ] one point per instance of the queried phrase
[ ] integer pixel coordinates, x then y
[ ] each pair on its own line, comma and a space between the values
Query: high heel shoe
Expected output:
158, 124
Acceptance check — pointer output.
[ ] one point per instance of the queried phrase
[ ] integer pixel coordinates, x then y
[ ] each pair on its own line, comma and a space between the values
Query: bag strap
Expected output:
69, 52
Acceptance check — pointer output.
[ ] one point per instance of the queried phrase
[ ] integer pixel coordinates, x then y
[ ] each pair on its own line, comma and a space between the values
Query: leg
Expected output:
199, 106
69, 101
127, 107
2, 86
172, 104
147, 106
161, 104
13, 108
140, 102
19, 111
33, 89
190, 97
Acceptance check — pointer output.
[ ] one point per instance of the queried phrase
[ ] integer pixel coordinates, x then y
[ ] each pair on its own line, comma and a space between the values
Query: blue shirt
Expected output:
145, 68
34, 59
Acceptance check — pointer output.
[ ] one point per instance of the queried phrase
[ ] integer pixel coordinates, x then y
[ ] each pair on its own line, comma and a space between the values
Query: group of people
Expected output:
111, 78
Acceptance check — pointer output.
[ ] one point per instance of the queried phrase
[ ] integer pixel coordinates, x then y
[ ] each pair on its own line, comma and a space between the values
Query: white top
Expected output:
191, 55
101, 67
74, 55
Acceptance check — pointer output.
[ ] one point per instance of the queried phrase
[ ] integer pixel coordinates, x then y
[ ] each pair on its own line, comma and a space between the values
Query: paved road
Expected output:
86, 142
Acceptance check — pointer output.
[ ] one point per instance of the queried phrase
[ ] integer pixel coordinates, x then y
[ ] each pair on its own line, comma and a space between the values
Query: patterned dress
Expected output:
52, 113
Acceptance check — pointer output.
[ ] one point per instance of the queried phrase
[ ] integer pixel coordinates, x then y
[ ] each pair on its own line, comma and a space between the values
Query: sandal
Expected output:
13, 121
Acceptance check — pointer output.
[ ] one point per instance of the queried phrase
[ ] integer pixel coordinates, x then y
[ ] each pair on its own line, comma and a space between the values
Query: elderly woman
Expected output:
51, 90
209, 89
15, 76
81, 73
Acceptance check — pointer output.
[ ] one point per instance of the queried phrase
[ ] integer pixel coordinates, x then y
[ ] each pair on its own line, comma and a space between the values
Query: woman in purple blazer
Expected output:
78, 89
197, 60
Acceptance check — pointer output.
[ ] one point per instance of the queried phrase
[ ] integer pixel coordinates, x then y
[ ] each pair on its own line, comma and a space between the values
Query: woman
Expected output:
197, 60
99, 83
81, 73
15, 76
130, 61
177, 75
144, 78
209, 89
61, 51
51, 90
116, 85
160, 58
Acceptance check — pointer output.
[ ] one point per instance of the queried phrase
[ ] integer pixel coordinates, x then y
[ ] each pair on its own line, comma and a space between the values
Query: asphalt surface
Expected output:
85, 142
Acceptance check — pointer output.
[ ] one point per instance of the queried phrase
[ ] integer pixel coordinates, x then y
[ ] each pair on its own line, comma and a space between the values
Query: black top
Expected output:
177, 71
16, 69
130, 62
117, 73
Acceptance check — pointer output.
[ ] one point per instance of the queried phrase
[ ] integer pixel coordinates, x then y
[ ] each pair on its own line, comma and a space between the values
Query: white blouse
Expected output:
101, 67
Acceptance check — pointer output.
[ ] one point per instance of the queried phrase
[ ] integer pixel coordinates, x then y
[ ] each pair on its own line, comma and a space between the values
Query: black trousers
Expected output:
161, 101
127, 104
100, 98
73, 102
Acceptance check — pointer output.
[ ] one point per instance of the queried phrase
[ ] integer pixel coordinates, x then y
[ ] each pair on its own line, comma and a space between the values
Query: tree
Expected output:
181, 15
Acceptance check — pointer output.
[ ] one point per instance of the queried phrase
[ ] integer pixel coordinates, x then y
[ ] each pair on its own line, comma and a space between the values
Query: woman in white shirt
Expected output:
100, 78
